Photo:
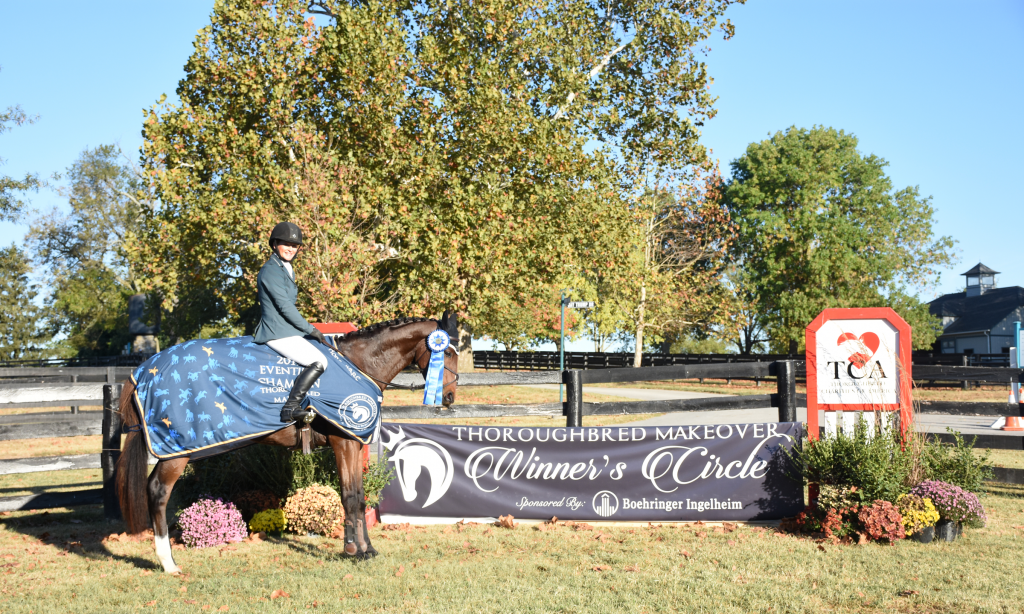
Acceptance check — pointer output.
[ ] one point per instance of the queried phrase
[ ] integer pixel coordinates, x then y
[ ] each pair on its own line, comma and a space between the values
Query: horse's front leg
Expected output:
348, 454
161, 481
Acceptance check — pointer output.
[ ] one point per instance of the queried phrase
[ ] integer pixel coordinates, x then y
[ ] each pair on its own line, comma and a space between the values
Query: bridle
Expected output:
423, 372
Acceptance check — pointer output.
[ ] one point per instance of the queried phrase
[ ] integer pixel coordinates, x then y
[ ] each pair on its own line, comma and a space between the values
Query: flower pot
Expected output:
371, 517
925, 535
946, 530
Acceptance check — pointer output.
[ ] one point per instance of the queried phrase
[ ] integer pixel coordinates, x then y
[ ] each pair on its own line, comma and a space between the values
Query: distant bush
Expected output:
956, 463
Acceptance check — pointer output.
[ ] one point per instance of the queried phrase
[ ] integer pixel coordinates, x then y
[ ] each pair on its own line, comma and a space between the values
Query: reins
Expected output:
423, 372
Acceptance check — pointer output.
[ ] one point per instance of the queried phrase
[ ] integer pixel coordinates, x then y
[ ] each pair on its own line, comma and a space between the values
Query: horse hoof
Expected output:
367, 555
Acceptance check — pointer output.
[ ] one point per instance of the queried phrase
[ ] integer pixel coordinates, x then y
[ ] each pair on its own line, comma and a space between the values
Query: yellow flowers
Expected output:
918, 512
270, 521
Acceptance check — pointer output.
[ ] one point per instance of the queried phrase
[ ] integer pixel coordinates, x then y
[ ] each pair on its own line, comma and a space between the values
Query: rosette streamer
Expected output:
437, 342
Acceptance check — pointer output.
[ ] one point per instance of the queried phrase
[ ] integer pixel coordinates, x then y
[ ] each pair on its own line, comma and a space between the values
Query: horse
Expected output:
380, 351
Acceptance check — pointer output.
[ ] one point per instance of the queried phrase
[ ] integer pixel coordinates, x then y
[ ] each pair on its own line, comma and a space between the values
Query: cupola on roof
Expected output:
981, 269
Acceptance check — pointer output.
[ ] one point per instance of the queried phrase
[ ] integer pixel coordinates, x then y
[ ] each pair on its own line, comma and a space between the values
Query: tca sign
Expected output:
858, 360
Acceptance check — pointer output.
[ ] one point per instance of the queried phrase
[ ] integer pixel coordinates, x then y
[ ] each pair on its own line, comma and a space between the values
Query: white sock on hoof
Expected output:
163, 552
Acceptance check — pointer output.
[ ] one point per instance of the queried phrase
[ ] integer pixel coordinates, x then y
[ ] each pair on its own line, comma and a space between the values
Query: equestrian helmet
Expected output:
286, 231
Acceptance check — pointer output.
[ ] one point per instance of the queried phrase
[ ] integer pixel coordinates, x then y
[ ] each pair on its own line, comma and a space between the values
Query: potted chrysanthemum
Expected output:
919, 517
956, 507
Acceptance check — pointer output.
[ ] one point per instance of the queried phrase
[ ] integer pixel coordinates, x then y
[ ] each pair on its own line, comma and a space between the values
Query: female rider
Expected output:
281, 325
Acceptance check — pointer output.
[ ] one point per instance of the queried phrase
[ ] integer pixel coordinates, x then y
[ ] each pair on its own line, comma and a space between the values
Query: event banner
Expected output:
657, 474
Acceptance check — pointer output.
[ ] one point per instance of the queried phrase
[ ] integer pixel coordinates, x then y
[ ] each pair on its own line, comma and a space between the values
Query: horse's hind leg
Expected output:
161, 481
348, 454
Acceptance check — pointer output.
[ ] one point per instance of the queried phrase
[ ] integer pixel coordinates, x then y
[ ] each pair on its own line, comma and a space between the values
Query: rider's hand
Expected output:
319, 336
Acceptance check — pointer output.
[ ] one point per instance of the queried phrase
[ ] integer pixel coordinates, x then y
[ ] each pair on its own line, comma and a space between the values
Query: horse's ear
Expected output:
450, 324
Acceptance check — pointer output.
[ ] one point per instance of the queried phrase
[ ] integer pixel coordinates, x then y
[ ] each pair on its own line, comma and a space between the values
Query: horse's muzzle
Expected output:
448, 399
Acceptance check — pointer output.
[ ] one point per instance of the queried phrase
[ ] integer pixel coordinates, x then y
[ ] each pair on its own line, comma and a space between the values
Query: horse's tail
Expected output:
131, 467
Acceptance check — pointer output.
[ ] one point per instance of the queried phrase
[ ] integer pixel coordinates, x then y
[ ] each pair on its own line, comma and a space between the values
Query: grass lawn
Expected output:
51, 446
60, 562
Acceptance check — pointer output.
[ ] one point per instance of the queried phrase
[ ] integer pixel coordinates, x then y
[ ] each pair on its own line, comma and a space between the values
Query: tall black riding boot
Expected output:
290, 410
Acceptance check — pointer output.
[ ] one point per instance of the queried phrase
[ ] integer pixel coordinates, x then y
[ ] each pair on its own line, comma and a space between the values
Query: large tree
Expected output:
821, 225
474, 143
80, 252
21, 319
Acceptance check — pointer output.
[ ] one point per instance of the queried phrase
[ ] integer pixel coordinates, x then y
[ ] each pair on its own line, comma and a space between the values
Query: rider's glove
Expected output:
319, 336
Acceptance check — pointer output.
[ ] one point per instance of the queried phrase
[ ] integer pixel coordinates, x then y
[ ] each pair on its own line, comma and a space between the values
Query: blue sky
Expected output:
935, 88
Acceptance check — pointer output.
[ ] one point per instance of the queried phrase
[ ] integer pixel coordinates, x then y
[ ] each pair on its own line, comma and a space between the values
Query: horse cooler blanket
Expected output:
211, 393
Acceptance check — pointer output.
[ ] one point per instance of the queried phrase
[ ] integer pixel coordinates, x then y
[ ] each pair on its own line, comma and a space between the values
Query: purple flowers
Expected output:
211, 522
952, 502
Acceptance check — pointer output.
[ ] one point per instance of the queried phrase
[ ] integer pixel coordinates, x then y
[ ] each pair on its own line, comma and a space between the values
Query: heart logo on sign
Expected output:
862, 348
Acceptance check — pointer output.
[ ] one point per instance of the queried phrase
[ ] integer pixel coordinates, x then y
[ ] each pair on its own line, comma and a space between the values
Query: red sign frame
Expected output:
903, 365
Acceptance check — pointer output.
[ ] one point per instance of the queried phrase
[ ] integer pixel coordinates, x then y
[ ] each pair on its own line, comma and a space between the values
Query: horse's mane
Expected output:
373, 328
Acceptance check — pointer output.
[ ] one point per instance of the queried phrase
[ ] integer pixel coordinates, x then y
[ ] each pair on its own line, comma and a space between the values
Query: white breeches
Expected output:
298, 349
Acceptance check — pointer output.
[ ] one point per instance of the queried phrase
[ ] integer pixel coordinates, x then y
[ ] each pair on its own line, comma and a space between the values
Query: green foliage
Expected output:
81, 253
21, 334
377, 475
458, 154
821, 225
689, 344
956, 463
273, 469
880, 467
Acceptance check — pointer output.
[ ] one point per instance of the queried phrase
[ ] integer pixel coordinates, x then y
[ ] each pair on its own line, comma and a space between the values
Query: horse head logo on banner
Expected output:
412, 457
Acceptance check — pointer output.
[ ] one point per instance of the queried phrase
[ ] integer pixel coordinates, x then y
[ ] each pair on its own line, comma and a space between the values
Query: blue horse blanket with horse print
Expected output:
208, 393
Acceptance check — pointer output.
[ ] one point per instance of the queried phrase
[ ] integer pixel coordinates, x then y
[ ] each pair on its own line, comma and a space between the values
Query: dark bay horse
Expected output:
380, 351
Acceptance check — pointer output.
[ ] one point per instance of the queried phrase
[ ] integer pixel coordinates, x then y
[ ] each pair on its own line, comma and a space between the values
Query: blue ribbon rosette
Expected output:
437, 342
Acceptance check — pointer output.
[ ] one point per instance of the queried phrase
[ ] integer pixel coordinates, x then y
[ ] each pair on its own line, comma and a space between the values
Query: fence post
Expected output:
965, 385
111, 449
785, 373
74, 408
573, 410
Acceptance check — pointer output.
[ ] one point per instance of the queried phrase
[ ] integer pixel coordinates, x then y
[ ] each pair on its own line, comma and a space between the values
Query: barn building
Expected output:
980, 319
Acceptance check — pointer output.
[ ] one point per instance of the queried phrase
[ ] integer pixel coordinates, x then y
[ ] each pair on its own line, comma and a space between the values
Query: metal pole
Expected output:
785, 373
111, 449
561, 346
574, 397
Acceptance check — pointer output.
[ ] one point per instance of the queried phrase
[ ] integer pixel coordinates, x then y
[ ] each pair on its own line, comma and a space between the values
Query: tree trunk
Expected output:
465, 345
638, 352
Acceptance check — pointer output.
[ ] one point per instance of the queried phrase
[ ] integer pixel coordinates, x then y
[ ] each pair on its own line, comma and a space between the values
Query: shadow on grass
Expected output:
315, 549
83, 538
38, 490
80, 532
1005, 490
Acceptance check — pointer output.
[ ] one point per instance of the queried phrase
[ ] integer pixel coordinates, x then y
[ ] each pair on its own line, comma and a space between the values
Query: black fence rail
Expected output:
549, 361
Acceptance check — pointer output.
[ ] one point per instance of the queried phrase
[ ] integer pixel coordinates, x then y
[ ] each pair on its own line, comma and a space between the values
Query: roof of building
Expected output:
981, 269
982, 312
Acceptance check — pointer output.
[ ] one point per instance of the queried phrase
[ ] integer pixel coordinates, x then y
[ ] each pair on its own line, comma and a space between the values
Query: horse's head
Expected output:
449, 323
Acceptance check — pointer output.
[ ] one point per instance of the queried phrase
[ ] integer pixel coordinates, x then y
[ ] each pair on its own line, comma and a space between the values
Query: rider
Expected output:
281, 325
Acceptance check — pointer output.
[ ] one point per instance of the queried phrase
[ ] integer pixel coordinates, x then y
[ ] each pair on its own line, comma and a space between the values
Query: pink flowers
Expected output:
952, 502
211, 522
